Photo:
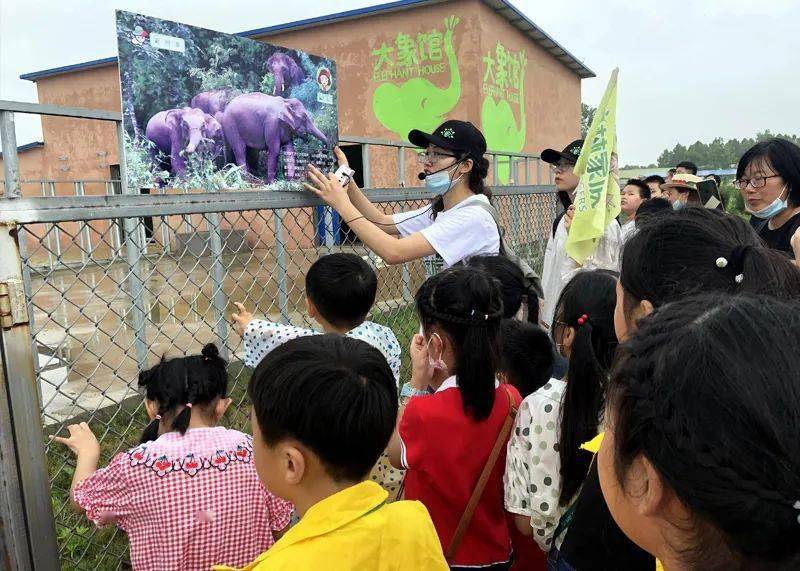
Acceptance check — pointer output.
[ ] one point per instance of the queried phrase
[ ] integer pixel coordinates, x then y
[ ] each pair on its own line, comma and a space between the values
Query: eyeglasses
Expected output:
562, 166
431, 157
755, 182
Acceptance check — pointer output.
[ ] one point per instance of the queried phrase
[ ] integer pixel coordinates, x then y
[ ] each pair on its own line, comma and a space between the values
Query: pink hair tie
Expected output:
188, 405
158, 417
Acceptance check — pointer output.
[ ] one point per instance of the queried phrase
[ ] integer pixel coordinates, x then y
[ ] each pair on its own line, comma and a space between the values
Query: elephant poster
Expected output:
207, 110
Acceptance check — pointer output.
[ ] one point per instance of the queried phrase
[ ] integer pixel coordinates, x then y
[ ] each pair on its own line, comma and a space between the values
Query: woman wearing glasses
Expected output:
768, 177
454, 169
558, 267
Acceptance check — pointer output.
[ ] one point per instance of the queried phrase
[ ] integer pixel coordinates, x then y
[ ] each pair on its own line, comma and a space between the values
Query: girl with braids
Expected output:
444, 439
188, 496
671, 259
545, 467
708, 486
457, 225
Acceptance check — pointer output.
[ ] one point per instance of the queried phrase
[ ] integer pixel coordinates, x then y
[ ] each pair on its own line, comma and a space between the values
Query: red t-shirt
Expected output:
445, 452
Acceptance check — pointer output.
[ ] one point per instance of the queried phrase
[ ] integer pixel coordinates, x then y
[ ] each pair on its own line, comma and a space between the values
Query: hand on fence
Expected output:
569, 216
327, 187
241, 319
81, 441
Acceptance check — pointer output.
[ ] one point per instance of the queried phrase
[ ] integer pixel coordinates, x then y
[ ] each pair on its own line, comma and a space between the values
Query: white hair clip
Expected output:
739, 278
722, 262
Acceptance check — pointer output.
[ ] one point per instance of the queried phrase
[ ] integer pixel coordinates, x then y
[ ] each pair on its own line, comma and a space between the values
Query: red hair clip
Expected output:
583, 319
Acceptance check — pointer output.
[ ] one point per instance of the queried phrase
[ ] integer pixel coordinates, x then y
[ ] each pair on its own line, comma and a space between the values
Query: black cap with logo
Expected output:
453, 135
570, 153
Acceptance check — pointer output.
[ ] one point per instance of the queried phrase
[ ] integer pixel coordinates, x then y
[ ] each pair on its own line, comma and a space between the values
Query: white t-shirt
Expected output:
458, 233
627, 230
532, 480
261, 337
559, 268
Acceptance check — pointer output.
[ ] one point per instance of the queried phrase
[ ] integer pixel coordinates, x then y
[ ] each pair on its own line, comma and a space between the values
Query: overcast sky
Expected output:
689, 70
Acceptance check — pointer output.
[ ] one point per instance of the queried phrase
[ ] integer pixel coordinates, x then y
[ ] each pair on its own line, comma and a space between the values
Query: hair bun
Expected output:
210, 351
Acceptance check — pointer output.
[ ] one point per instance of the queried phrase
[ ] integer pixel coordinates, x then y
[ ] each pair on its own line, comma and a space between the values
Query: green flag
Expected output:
597, 195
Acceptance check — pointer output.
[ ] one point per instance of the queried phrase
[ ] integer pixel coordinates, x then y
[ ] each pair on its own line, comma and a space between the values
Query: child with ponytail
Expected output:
545, 466
445, 440
188, 496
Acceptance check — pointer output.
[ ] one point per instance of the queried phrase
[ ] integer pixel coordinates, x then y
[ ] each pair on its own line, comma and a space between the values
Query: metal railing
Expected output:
94, 288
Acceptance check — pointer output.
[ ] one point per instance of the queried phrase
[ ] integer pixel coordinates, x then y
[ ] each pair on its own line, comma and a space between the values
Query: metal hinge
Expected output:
13, 310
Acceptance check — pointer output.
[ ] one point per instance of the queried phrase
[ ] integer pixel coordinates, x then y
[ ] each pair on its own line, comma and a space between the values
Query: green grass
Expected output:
84, 547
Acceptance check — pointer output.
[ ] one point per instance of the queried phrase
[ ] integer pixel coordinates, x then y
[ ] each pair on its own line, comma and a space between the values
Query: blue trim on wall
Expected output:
311, 22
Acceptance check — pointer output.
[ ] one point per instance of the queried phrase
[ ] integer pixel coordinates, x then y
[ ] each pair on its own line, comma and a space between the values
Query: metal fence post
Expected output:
8, 137
133, 254
218, 276
280, 260
20, 394
401, 180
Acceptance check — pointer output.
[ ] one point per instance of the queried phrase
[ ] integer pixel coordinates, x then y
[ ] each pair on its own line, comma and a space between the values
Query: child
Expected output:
323, 411
520, 300
633, 194
700, 250
444, 439
340, 291
705, 486
545, 468
526, 356
190, 486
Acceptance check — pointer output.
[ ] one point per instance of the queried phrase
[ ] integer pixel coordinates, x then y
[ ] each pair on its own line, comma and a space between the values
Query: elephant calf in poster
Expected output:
262, 121
213, 102
182, 132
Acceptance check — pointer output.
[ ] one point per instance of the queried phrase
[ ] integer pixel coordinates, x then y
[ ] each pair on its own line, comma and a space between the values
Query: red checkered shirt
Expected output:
187, 502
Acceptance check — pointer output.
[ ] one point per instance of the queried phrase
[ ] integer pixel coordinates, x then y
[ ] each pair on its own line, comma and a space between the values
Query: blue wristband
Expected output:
408, 391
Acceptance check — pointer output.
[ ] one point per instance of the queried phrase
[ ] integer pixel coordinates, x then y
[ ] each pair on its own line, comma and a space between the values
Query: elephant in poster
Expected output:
213, 102
261, 121
285, 71
182, 132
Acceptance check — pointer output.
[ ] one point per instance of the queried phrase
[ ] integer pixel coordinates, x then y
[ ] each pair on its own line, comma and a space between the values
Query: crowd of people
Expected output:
639, 410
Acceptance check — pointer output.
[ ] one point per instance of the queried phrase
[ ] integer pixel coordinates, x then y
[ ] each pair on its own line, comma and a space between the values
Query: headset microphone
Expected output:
423, 176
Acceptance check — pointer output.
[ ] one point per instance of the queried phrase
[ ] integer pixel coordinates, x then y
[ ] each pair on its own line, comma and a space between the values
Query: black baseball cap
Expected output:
570, 153
453, 135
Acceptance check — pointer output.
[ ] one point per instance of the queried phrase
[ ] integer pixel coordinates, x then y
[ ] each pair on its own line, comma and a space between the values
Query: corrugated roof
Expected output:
514, 16
27, 147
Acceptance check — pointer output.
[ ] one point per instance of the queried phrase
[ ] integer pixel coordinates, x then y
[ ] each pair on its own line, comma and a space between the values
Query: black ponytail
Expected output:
180, 384
514, 288
476, 181
466, 304
587, 305
698, 250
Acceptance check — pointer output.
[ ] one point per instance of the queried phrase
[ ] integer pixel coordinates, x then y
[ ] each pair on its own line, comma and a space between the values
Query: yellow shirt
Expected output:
356, 530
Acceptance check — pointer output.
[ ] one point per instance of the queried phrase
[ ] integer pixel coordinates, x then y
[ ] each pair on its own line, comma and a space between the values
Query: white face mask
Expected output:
439, 182
774, 208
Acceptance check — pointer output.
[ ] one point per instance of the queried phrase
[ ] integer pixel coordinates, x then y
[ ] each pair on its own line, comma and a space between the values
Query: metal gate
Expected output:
94, 287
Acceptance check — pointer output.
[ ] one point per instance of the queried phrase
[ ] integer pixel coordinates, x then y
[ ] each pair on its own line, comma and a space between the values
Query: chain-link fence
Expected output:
109, 284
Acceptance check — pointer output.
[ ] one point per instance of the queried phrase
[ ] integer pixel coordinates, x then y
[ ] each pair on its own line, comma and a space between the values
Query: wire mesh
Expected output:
85, 290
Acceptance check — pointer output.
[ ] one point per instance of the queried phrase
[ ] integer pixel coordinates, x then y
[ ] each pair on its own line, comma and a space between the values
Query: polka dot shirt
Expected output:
261, 337
532, 483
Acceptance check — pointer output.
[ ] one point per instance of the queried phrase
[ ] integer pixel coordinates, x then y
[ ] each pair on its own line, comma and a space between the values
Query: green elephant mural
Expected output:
497, 118
418, 103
